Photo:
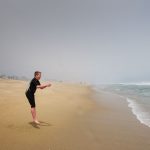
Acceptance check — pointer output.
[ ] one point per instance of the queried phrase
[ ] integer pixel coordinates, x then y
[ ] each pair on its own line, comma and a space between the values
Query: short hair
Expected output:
36, 73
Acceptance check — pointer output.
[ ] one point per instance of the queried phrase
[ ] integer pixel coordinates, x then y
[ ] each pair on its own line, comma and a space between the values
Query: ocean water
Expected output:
137, 96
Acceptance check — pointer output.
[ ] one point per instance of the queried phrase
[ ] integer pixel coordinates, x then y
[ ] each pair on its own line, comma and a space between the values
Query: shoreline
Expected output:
132, 104
73, 116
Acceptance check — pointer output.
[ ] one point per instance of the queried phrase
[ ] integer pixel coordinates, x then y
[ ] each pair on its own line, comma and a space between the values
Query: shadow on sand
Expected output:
42, 123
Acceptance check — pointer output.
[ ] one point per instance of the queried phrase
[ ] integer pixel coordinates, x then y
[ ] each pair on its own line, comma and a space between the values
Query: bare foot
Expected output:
36, 121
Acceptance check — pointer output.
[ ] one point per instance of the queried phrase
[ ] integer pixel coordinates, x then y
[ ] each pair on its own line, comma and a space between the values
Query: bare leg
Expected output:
33, 112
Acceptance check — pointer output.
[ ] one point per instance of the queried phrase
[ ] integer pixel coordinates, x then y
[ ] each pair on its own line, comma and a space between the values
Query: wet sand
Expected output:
72, 117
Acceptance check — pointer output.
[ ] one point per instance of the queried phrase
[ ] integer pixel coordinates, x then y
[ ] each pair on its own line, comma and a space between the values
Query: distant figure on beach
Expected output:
34, 84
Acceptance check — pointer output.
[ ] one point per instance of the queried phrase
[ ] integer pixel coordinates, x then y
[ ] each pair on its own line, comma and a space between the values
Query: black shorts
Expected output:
30, 98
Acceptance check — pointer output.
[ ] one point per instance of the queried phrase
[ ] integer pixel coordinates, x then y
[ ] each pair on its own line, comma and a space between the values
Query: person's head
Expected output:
37, 75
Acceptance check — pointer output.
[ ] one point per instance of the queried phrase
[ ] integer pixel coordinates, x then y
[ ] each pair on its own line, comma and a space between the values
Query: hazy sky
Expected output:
98, 41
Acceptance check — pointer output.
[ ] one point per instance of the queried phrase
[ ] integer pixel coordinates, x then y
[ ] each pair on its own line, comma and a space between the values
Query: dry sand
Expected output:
72, 117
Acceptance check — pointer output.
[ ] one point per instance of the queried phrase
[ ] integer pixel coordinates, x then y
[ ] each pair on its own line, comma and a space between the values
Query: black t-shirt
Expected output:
32, 87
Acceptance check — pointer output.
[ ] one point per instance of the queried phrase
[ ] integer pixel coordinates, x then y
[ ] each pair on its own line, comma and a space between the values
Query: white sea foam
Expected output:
136, 83
141, 115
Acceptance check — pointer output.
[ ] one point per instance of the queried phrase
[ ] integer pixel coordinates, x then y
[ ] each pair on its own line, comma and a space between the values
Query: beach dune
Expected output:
72, 116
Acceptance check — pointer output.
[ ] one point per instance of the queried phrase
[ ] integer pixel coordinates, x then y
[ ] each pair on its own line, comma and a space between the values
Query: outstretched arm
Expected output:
43, 86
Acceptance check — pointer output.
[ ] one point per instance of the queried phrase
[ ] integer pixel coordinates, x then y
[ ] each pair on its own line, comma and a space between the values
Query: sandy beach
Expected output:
72, 116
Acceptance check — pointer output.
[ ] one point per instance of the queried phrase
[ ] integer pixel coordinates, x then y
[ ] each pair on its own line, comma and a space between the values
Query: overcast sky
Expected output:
97, 41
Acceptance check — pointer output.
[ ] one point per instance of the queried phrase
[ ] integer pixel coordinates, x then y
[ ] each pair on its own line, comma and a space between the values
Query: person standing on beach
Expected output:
34, 84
